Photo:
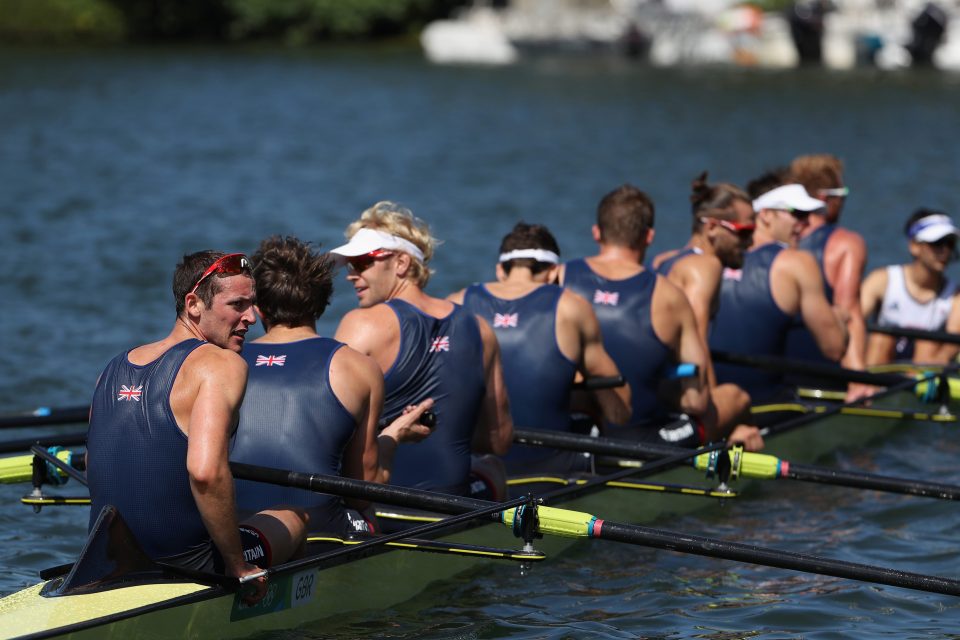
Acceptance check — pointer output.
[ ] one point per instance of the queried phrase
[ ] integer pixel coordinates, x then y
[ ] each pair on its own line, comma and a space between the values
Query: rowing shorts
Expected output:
256, 547
205, 557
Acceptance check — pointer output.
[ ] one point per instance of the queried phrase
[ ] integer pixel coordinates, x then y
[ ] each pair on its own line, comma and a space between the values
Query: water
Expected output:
116, 162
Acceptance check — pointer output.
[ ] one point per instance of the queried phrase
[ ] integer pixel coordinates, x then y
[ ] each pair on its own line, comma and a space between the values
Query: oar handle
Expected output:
595, 384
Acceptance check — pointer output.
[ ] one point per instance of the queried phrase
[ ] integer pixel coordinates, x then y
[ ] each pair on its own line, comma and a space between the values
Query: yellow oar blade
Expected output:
20, 468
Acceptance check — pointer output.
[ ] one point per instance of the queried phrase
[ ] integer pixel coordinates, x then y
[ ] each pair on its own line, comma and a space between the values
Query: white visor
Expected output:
789, 197
366, 240
932, 228
540, 255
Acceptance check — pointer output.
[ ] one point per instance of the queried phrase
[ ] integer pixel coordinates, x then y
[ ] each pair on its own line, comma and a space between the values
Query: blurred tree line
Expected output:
292, 21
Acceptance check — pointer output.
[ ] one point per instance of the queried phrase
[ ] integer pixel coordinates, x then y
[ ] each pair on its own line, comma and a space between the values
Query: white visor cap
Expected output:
366, 240
789, 197
933, 228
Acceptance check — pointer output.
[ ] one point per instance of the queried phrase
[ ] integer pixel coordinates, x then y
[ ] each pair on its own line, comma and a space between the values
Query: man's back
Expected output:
539, 377
443, 359
749, 321
137, 453
291, 418
623, 307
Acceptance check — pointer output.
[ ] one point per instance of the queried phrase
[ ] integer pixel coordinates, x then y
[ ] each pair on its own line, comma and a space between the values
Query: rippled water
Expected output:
113, 163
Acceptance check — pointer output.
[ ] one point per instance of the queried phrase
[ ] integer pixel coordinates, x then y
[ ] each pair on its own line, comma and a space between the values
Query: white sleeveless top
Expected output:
900, 309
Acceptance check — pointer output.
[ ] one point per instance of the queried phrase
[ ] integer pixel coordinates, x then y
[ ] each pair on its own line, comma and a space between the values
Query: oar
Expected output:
904, 384
790, 365
743, 463
583, 525
860, 412
593, 384
916, 334
46, 416
562, 522
24, 444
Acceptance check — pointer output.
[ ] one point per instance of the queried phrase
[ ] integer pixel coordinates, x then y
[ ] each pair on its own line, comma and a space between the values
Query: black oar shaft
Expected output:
830, 372
24, 444
48, 417
350, 488
916, 334
602, 446
872, 481
714, 548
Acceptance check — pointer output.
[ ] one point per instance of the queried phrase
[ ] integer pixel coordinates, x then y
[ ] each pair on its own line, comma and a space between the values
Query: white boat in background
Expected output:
888, 34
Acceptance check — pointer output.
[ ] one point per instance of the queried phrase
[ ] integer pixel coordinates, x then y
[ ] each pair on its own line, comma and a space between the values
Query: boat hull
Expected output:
384, 579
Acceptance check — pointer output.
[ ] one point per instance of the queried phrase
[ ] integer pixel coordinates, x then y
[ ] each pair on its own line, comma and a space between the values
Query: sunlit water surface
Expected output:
116, 162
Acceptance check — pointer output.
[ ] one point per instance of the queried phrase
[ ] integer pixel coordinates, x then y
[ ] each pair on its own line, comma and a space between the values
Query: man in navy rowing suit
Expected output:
918, 295
160, 424
427, 348
776, 283
723, 224
647, 323
312, 403
841, 255
546, 335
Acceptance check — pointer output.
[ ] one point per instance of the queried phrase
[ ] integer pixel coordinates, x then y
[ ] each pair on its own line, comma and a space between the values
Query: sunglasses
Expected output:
230, 264
839, 192
742, 229
359, 264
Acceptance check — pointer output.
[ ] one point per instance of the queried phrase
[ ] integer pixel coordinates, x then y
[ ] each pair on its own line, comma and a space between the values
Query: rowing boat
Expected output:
155, 605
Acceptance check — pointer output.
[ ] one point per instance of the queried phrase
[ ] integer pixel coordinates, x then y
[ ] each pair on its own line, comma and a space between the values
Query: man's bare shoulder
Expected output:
352, 372
669, 298
794, 259
211, 358
660, 258
457, 296
700, 263
847, 240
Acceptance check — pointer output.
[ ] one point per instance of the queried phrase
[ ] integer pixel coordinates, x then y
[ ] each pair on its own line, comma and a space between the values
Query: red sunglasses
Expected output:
359, 264
230, 264
744, 229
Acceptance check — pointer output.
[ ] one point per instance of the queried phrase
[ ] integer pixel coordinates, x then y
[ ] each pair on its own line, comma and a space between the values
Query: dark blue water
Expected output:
114, 163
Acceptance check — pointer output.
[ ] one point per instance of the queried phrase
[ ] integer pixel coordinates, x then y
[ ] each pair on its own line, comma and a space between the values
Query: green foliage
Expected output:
304, 20
60, 21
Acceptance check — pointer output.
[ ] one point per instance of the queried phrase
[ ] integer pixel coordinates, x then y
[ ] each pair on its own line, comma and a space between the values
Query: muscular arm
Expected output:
799, 285
374, 332
674, 324
358, 384
699, 278
577, 319
845, 256
221, 378
494, 430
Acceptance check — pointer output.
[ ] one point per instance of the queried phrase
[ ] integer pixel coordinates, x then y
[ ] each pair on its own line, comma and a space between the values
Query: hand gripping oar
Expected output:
903, 384
742, 463
46, 416
562, 522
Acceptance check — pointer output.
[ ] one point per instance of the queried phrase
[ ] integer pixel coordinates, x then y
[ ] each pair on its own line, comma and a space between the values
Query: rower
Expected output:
426, 347
918, 295
160, 423
776, 282
723, 224
546, 335
312, 403
648, 326
841, 255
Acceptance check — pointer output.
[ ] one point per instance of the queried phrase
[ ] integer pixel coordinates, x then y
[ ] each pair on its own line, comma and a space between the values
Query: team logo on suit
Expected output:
608, 298
505, 320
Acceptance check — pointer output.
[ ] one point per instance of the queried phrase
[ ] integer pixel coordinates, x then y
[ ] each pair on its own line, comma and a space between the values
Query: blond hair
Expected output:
399, 221
817, 171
